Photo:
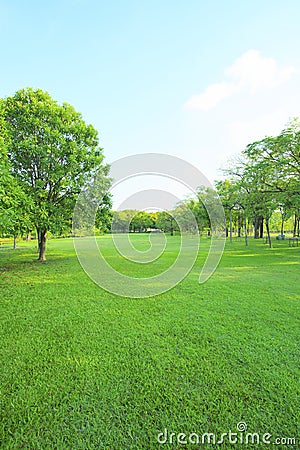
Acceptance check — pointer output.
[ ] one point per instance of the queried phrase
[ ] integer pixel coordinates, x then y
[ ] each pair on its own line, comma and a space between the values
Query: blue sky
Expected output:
189, 78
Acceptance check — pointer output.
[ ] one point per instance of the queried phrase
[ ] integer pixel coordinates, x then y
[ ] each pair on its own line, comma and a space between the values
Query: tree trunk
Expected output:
240, 222
245, 230
256, 228
42, 244
15, 242
171, 228
268, 233
261, 231
295, 225
230, 225
282, 225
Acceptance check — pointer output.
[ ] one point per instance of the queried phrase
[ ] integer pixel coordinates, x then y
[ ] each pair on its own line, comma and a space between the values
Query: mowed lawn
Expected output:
85, 369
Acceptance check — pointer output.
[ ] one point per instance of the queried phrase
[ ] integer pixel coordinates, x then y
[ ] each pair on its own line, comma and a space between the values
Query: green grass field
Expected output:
84, 369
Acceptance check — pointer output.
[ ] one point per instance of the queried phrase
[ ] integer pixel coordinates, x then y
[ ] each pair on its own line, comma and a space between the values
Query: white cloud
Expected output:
250, 73
211, 96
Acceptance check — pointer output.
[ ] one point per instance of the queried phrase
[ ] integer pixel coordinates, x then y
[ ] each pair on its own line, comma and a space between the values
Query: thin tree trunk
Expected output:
42, 244
15, 242
295, 225
245, 230
261, 231
240, 224
268, 233
230, 218
256, 227
171, 228
282, 226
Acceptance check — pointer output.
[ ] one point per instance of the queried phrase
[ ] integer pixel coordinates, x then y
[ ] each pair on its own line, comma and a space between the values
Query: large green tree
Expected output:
52, 154
276, 160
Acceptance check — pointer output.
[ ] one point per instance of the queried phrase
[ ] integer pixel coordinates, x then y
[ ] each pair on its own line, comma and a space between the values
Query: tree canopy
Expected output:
267, 178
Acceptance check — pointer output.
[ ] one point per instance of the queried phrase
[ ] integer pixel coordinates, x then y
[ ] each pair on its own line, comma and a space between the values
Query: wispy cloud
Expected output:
251, 72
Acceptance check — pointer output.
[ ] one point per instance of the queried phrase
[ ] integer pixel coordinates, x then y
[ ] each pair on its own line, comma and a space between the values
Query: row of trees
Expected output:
265, 180
262, 187
169, 221
48, 153
142, 221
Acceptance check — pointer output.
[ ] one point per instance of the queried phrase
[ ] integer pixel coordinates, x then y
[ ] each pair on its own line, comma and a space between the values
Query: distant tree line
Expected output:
260, 194
176, 220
